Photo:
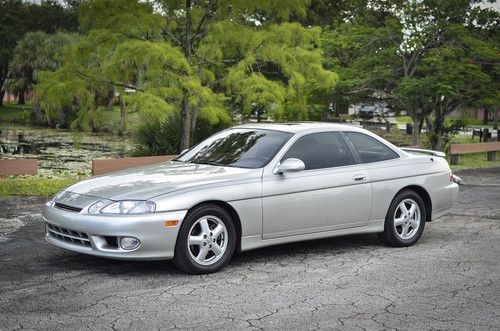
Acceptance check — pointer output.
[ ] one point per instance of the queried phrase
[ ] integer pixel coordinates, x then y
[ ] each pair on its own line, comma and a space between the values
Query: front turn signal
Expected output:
171, 223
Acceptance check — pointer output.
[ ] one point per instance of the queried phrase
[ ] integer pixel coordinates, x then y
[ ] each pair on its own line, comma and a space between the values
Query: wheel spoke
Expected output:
217, 231
412, 210
402, 207
202, 254
405, 231
399, 221
216, 249
414, 224
204, 226
195, 240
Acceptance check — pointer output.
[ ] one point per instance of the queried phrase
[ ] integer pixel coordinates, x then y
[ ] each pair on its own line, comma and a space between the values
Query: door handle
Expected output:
359, 178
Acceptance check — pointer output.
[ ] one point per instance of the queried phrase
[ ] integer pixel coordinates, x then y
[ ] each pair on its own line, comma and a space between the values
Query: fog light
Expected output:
129, 243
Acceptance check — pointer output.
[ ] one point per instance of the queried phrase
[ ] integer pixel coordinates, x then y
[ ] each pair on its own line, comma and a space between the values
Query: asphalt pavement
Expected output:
449, 280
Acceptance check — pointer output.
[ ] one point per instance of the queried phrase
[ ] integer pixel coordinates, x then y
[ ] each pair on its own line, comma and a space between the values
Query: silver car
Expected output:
252, 186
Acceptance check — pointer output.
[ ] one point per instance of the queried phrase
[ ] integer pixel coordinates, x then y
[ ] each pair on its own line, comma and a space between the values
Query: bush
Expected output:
155, 135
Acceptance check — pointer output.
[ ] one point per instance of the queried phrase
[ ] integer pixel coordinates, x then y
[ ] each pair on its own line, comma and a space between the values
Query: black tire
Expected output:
390, 236
182, 257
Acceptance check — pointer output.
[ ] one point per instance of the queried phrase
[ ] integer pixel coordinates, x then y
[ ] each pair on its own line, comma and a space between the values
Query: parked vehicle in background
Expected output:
252, 186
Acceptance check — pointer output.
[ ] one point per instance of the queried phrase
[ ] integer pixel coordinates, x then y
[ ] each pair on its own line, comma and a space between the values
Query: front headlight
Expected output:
122, 207
51, 202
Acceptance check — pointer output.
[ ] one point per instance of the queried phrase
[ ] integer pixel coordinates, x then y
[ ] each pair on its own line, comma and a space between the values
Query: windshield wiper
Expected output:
214, 163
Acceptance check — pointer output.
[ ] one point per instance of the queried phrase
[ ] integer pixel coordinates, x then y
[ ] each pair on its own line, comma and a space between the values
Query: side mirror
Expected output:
289, 165
184, 151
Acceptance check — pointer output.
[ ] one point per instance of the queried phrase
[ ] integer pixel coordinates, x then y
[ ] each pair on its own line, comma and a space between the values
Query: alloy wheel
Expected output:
407, 218
207, 240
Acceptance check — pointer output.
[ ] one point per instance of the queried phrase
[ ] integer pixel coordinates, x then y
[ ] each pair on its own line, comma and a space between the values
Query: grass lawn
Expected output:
404, 119
46, 187
477, 160
14, 114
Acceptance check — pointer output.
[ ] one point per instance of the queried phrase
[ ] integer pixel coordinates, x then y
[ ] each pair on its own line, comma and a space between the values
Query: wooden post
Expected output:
455, 159
492, 156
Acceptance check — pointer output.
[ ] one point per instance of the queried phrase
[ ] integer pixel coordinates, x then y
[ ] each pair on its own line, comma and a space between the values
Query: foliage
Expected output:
157, 135
19, 17
186, 65
36, 51
428, 58
34, 186
195, 58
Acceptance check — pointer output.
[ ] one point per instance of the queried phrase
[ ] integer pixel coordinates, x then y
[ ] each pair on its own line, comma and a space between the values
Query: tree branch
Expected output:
119, 84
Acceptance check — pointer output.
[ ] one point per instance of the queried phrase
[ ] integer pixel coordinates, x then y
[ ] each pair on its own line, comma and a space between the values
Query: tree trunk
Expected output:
485, 116
2, 90
62, 115
111, 99
420, 126
21, 100
185, 124
415, 132
437, 140
495, 118
36, 110
194, 112
185, 127
123, 114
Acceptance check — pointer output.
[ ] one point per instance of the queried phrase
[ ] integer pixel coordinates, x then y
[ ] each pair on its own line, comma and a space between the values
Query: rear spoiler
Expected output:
423, 151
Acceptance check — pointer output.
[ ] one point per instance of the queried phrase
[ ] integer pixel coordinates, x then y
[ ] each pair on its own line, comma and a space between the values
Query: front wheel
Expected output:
405, 220
206, 240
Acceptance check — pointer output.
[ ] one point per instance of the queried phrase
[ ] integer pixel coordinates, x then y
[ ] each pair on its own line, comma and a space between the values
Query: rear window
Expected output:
370, 149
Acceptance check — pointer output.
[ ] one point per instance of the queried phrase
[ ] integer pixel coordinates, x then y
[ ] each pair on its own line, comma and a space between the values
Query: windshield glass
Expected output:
244, 148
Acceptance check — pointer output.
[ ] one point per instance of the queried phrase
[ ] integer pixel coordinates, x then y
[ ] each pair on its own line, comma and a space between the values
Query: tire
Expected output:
205, 247
397, 220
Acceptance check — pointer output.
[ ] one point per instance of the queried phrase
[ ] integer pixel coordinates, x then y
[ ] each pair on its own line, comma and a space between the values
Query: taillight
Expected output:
456, 179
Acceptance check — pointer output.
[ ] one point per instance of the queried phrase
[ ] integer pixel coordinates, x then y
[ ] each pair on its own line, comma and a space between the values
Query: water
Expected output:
60, 153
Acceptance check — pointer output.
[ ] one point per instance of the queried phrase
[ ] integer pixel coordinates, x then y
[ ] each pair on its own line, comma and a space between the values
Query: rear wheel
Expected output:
206, 240
405, 220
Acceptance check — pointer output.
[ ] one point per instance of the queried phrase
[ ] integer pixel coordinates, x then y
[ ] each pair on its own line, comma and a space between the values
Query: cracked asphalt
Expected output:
449, 280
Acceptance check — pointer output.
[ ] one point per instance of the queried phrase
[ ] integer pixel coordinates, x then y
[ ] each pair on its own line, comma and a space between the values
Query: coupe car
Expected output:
252, 186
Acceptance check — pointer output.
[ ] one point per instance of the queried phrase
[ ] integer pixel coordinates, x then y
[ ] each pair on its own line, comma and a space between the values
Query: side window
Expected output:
370, 149
321, 150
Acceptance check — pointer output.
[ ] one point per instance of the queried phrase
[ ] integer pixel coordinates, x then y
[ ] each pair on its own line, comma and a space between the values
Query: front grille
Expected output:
69, 236
67, 207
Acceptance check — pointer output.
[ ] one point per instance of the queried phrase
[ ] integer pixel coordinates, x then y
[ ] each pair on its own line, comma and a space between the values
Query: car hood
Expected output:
148, 181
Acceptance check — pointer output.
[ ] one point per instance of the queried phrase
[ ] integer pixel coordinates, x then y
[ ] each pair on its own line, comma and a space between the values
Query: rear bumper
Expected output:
89, 234
452, 191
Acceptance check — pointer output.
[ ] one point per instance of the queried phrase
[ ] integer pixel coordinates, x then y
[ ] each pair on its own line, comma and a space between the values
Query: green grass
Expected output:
14, 114
476, 160
404, 119
33, 186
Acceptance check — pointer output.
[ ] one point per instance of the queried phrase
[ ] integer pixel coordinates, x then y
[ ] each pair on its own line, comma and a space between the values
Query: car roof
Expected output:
296, 127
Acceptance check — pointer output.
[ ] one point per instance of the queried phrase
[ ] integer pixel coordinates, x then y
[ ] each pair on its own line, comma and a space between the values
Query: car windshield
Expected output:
243, 148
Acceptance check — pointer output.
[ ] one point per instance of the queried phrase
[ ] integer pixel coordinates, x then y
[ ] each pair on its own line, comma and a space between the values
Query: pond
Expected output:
60, 153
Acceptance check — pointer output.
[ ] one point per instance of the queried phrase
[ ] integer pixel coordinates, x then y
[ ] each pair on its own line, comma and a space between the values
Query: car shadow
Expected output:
64, 261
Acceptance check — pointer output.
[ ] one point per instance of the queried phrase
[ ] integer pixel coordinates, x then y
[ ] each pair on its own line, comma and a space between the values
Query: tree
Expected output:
198, 58
37, 51
394, 50
19, 17
199, 27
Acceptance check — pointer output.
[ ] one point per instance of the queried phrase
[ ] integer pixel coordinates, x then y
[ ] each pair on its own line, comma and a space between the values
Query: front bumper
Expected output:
90, 234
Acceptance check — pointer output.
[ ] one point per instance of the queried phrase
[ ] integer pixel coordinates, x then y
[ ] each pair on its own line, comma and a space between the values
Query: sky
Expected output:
495, 5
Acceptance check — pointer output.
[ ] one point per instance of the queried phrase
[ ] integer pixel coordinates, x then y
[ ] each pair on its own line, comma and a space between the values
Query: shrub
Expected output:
156, 135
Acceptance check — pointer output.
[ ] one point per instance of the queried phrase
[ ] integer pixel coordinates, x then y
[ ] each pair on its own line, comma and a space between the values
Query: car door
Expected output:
331, 193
